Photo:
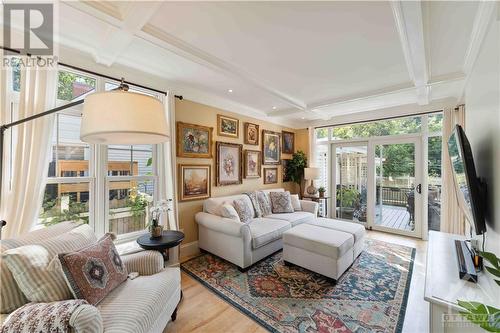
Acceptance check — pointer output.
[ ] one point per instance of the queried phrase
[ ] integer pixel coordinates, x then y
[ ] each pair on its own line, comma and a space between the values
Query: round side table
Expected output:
168, 239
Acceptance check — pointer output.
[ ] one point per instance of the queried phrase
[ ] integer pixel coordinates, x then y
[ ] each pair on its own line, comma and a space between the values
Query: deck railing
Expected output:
394, 196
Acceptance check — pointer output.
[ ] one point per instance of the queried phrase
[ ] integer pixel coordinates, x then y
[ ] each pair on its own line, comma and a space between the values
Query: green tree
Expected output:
65, 84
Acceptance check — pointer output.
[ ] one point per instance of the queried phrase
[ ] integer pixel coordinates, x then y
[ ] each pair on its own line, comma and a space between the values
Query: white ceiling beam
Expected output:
485, 10
117, 38
192, 53
410, 27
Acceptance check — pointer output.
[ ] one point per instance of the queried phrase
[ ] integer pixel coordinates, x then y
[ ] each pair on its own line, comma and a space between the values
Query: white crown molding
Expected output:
410, 27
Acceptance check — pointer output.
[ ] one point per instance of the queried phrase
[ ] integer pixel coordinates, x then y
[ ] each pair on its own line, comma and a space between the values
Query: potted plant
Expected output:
295, 168
155, 228
347, 200
322, 191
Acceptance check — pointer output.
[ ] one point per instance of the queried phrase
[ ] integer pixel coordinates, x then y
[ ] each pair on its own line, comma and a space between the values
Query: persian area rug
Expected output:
371, 296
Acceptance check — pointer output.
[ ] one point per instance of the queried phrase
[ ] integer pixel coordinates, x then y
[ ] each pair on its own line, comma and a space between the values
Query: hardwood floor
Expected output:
203, 311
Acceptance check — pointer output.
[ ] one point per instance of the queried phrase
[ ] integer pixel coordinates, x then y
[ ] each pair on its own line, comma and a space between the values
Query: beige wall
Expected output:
302, 140
195, 113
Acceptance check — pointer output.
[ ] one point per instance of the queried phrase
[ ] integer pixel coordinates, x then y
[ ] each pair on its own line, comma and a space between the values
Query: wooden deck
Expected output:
393, 217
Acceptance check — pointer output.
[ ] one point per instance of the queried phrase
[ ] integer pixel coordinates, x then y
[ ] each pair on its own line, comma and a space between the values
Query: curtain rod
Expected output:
378, 119
96, 74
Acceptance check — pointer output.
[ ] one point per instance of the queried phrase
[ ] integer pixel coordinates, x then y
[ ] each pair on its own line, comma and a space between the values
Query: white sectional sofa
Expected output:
244, 244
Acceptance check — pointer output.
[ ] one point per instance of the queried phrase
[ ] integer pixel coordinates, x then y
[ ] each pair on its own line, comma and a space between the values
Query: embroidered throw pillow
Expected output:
95, 270
229, 212
245, 212
296, 202
264, 203
281, 202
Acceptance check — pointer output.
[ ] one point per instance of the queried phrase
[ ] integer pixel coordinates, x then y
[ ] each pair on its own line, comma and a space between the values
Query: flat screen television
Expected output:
469, 189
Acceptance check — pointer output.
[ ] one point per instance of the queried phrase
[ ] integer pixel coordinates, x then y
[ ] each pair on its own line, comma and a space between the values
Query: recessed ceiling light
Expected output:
302, 117
274, 108
230, 90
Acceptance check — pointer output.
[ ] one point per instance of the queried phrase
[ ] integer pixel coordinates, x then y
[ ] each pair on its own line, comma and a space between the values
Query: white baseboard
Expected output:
189, 249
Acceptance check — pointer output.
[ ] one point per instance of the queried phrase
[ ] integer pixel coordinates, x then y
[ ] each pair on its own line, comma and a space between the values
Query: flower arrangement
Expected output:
155, 211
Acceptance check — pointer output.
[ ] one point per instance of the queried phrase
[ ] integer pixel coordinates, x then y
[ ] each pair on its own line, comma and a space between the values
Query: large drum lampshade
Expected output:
122, 117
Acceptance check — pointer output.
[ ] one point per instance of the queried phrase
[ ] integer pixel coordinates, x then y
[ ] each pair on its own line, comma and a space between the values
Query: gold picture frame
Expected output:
228, 126
288, 142
194, 141
252, 134
195, 181
228, 163
271, 148
270, 176
252, 163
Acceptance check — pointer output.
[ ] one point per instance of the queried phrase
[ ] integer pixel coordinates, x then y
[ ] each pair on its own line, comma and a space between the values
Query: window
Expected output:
407, 125
108, 187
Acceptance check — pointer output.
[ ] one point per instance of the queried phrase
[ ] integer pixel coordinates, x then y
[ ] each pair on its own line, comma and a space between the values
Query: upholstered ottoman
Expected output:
355, 229
322, 250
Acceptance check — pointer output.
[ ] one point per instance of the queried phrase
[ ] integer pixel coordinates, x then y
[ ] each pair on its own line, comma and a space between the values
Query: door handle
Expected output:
419, 188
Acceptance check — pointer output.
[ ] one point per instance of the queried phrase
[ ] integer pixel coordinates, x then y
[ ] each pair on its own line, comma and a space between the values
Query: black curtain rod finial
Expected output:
179, 97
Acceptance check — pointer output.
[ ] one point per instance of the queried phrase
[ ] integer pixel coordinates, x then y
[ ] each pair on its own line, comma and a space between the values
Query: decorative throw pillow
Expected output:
264, 203
95, 270
255, 203
229, 212
36, 268
281, 202
245, 212
296, 202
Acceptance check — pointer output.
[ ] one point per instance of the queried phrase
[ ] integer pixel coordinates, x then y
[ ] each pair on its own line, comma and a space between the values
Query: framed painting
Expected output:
228, 163
194, 141
252, 163
195, 181
288, 142
227, 126
284, 163
251, 134
270, 175
271, 147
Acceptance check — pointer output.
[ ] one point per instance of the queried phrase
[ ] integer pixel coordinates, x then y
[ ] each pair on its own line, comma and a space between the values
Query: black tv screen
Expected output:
467, 185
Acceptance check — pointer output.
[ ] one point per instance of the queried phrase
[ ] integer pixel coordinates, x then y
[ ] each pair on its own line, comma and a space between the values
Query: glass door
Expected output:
350, 181
396, 186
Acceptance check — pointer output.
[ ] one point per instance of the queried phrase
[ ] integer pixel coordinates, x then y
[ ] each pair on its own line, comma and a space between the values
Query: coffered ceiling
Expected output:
288, 62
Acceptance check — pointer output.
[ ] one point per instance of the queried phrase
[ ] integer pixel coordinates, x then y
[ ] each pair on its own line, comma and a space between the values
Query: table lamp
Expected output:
311, 174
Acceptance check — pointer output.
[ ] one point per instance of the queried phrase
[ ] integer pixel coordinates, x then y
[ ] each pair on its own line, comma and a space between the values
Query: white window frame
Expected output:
98, 178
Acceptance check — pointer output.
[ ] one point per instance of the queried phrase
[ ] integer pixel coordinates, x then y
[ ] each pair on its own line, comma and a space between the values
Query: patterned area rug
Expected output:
370, 297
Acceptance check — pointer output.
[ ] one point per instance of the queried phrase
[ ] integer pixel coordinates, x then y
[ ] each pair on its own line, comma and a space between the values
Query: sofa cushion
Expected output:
265, 231
255, 203
135, 305
294, 218
244, 210
296, 202
330, 243
355, 229
281, 202
93, 271
11, 296
36, 268
264, 203
229, 212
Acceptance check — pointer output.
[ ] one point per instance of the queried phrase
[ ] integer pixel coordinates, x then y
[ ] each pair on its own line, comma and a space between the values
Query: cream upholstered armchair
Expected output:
144, 304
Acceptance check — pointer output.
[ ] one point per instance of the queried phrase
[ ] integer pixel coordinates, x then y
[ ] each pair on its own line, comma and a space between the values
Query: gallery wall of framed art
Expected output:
200, 129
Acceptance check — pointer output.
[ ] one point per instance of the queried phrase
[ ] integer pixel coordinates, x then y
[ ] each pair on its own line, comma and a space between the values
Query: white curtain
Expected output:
29, 161
167, 165
452, 218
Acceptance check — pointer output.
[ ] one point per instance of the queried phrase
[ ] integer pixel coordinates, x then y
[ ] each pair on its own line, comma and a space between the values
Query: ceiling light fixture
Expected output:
274, 108
230, 90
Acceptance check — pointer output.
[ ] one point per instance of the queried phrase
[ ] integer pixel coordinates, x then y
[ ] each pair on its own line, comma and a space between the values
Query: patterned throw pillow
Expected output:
245, 212
229, 212
95, 270
36, 268
297, 207
264, 203
281, 202
255, 203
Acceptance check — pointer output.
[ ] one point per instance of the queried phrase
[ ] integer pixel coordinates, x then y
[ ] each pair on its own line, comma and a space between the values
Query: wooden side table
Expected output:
169, 239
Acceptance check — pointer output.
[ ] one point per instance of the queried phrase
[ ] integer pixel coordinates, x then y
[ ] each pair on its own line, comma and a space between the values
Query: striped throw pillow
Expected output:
37, 269
11, 297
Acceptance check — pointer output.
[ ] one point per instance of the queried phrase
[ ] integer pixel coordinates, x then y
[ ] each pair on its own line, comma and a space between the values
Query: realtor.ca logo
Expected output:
29, 29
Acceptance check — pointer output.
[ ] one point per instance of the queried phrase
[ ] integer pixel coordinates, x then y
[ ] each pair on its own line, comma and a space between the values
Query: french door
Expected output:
378, 183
